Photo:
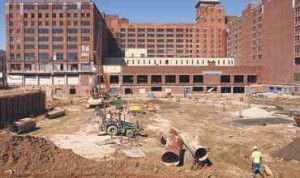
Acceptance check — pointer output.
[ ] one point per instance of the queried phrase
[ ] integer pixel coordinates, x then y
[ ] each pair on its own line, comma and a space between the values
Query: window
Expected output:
88, 15
25, 15
61, 15
85, 23
86, 39
85, 30
29, 30
72, 30
44, 56
43, 31
57, 38
58, 30
85, 6
57, 7
29, 57
29, 39
72, 56
72, 7
297, 77
57, 47
59, 56
43, 38
72, 46
29, 46
32, 15
28, 7
297, 61
43, 46
72, 38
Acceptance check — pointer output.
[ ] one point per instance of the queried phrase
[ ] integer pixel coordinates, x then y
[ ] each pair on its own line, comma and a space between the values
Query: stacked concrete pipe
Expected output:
173, 147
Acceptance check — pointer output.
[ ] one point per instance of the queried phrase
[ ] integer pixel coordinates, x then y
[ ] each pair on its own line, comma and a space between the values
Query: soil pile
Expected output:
290, 151
27, 156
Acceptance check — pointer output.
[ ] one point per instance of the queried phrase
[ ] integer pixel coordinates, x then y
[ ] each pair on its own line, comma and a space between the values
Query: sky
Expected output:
181, 11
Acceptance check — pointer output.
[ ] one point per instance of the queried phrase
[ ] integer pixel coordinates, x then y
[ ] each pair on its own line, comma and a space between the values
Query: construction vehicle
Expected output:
119, 126
100, 94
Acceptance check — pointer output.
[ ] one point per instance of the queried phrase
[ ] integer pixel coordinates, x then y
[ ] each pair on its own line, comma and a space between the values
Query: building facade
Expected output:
297, 41
204, 38
266, 40
58, 45
2, 69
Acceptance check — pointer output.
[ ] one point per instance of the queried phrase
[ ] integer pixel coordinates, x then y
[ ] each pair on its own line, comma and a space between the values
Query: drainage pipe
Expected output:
23, 125
173, 148
198, 151
56, 113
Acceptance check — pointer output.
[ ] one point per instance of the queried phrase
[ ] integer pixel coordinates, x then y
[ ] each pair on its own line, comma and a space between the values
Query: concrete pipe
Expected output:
198, 151
173, 148
23, 125
56, 113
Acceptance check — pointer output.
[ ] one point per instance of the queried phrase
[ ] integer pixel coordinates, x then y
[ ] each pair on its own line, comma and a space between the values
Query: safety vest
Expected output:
256, 157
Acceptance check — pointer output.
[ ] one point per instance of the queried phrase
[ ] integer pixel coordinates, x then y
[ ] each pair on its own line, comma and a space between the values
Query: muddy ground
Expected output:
69, 146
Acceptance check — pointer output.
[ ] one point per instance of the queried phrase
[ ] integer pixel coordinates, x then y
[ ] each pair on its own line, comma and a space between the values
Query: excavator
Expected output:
99, 95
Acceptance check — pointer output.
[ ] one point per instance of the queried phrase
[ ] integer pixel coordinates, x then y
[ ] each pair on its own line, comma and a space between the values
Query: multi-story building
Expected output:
267, 41
204, 38
2, 69
233, 42
55, 44
297, 40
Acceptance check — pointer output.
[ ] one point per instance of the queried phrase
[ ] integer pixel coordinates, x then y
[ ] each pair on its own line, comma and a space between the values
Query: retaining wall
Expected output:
18, 106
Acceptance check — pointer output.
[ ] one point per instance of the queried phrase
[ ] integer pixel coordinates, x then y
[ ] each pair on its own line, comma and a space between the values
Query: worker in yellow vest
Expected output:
256, 158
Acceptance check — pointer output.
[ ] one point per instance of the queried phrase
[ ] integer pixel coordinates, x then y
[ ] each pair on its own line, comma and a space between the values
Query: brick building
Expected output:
297, 40
266, 31
204, 38
58, 45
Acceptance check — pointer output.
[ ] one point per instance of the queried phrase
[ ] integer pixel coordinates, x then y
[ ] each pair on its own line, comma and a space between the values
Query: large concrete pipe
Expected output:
23, 125
198, 151
55, 113
173, 148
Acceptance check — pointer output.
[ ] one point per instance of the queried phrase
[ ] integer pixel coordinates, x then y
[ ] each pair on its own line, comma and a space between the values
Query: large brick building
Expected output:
204, 38
58, 45
266, 33
176, 57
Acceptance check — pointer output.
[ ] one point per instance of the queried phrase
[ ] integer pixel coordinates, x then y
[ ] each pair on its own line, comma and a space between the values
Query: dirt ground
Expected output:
70, 147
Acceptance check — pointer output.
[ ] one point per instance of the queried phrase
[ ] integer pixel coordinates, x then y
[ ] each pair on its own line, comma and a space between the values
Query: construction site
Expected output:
88, 94
207, 136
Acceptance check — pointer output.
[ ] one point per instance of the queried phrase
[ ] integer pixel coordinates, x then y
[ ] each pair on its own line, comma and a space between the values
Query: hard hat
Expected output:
255, 148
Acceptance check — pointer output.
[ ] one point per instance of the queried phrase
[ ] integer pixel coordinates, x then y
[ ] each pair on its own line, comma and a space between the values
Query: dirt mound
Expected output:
27, 156
290, 151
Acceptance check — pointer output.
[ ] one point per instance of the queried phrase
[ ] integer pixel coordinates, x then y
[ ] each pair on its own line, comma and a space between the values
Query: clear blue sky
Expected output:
147, 11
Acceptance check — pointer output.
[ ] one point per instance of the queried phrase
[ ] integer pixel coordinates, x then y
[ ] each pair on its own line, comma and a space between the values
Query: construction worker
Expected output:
256, 159
119, 104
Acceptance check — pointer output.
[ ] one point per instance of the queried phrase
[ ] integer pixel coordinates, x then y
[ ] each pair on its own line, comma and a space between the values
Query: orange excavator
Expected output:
100, 93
